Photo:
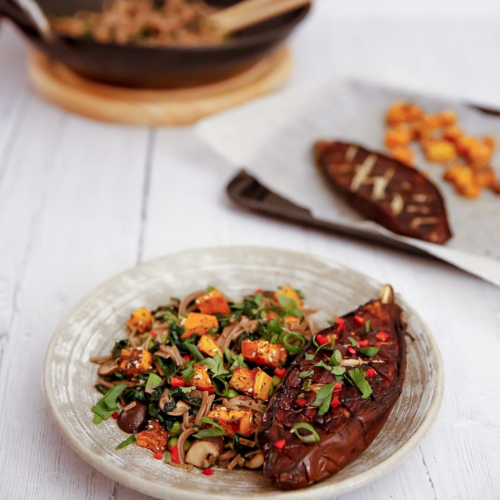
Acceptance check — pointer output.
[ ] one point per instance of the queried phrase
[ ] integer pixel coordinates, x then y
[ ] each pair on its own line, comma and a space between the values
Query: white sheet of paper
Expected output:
272, 139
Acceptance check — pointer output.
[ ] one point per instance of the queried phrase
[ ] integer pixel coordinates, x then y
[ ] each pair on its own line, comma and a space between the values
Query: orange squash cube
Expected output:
135, 360
447, 118
154, 437
452, 133
255, 383
232, 421
404, 155
200, 324
489, 141
141, 320
289, 292
262, 385
212, 303
201, 379
208, 346
264, 353
397, 137
242, 380
438, 151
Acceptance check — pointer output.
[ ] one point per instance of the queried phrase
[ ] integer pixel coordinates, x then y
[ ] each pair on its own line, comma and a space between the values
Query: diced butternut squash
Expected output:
232, 421
439, 151
242, 380
207, 346
289, 292
201, 379
154, 437
262, 386
292, 320
255, 383
200, 324
213, 302
264, 353
398, 137
141, 320
135, 360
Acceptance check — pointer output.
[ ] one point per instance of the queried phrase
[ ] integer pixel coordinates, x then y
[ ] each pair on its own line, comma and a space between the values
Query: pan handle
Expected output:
30, 11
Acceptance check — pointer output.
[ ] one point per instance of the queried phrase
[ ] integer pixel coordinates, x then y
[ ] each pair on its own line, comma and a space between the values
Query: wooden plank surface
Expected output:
81, 201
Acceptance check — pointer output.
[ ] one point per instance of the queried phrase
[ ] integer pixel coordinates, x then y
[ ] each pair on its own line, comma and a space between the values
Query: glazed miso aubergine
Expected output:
205, 382
336, 395
385, 190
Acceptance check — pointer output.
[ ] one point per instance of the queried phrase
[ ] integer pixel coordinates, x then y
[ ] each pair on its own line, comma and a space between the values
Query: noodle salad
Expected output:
192, 379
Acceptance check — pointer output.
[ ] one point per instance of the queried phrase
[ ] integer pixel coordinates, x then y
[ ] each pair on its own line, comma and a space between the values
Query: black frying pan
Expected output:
155, 67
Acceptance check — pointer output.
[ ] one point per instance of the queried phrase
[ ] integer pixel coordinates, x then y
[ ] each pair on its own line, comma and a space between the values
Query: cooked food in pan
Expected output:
143, 22
193, 379
336, 396
467, 159
385, 190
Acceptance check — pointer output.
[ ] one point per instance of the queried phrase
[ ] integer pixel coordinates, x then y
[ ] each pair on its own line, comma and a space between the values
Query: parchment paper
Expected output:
273, 138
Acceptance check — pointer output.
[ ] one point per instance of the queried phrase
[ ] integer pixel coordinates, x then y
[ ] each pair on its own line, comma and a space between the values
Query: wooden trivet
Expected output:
173, 107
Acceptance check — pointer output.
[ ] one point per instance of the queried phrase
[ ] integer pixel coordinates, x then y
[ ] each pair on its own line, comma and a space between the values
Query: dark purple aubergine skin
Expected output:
133, 420
345, 431
406, 181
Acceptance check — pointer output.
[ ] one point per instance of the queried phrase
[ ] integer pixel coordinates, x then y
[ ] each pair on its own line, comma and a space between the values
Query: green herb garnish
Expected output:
214, 431
153, 381
336, 358
324, 398
106, 406
367, 326
306, 374
290, 306
194, 351
215, 366
358, 377
369, 352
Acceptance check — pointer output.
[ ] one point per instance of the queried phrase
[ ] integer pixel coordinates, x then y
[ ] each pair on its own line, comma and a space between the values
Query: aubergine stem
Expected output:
386, 294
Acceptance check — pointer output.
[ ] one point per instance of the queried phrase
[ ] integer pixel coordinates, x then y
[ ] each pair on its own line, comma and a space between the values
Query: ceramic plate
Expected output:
95, 323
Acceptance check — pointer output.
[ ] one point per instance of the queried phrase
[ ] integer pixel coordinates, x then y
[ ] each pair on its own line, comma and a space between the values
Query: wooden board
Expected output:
107, 103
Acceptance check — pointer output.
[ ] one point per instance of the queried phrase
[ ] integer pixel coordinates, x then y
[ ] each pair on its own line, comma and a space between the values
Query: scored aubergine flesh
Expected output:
385, 190
346, 430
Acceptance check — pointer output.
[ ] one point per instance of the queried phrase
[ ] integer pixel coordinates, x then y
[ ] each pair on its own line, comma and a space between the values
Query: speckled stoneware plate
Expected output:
100, 318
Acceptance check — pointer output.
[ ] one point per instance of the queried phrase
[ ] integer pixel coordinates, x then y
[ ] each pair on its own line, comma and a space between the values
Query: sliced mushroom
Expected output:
256, 461
179, 409
218, 441
108, 368
202, 454
164, 399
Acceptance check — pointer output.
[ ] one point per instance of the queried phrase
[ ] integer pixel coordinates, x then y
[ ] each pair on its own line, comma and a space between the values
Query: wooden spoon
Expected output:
249, 13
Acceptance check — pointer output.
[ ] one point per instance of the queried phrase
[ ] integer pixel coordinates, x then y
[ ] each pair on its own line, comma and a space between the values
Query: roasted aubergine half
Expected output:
336, 395
385, 190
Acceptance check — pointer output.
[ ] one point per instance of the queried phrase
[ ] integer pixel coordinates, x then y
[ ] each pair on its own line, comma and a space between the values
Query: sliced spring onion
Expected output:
311, 437
293, 337
127, 441
194, 350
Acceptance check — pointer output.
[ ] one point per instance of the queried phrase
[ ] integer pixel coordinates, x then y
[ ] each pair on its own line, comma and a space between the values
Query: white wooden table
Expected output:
81, 201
